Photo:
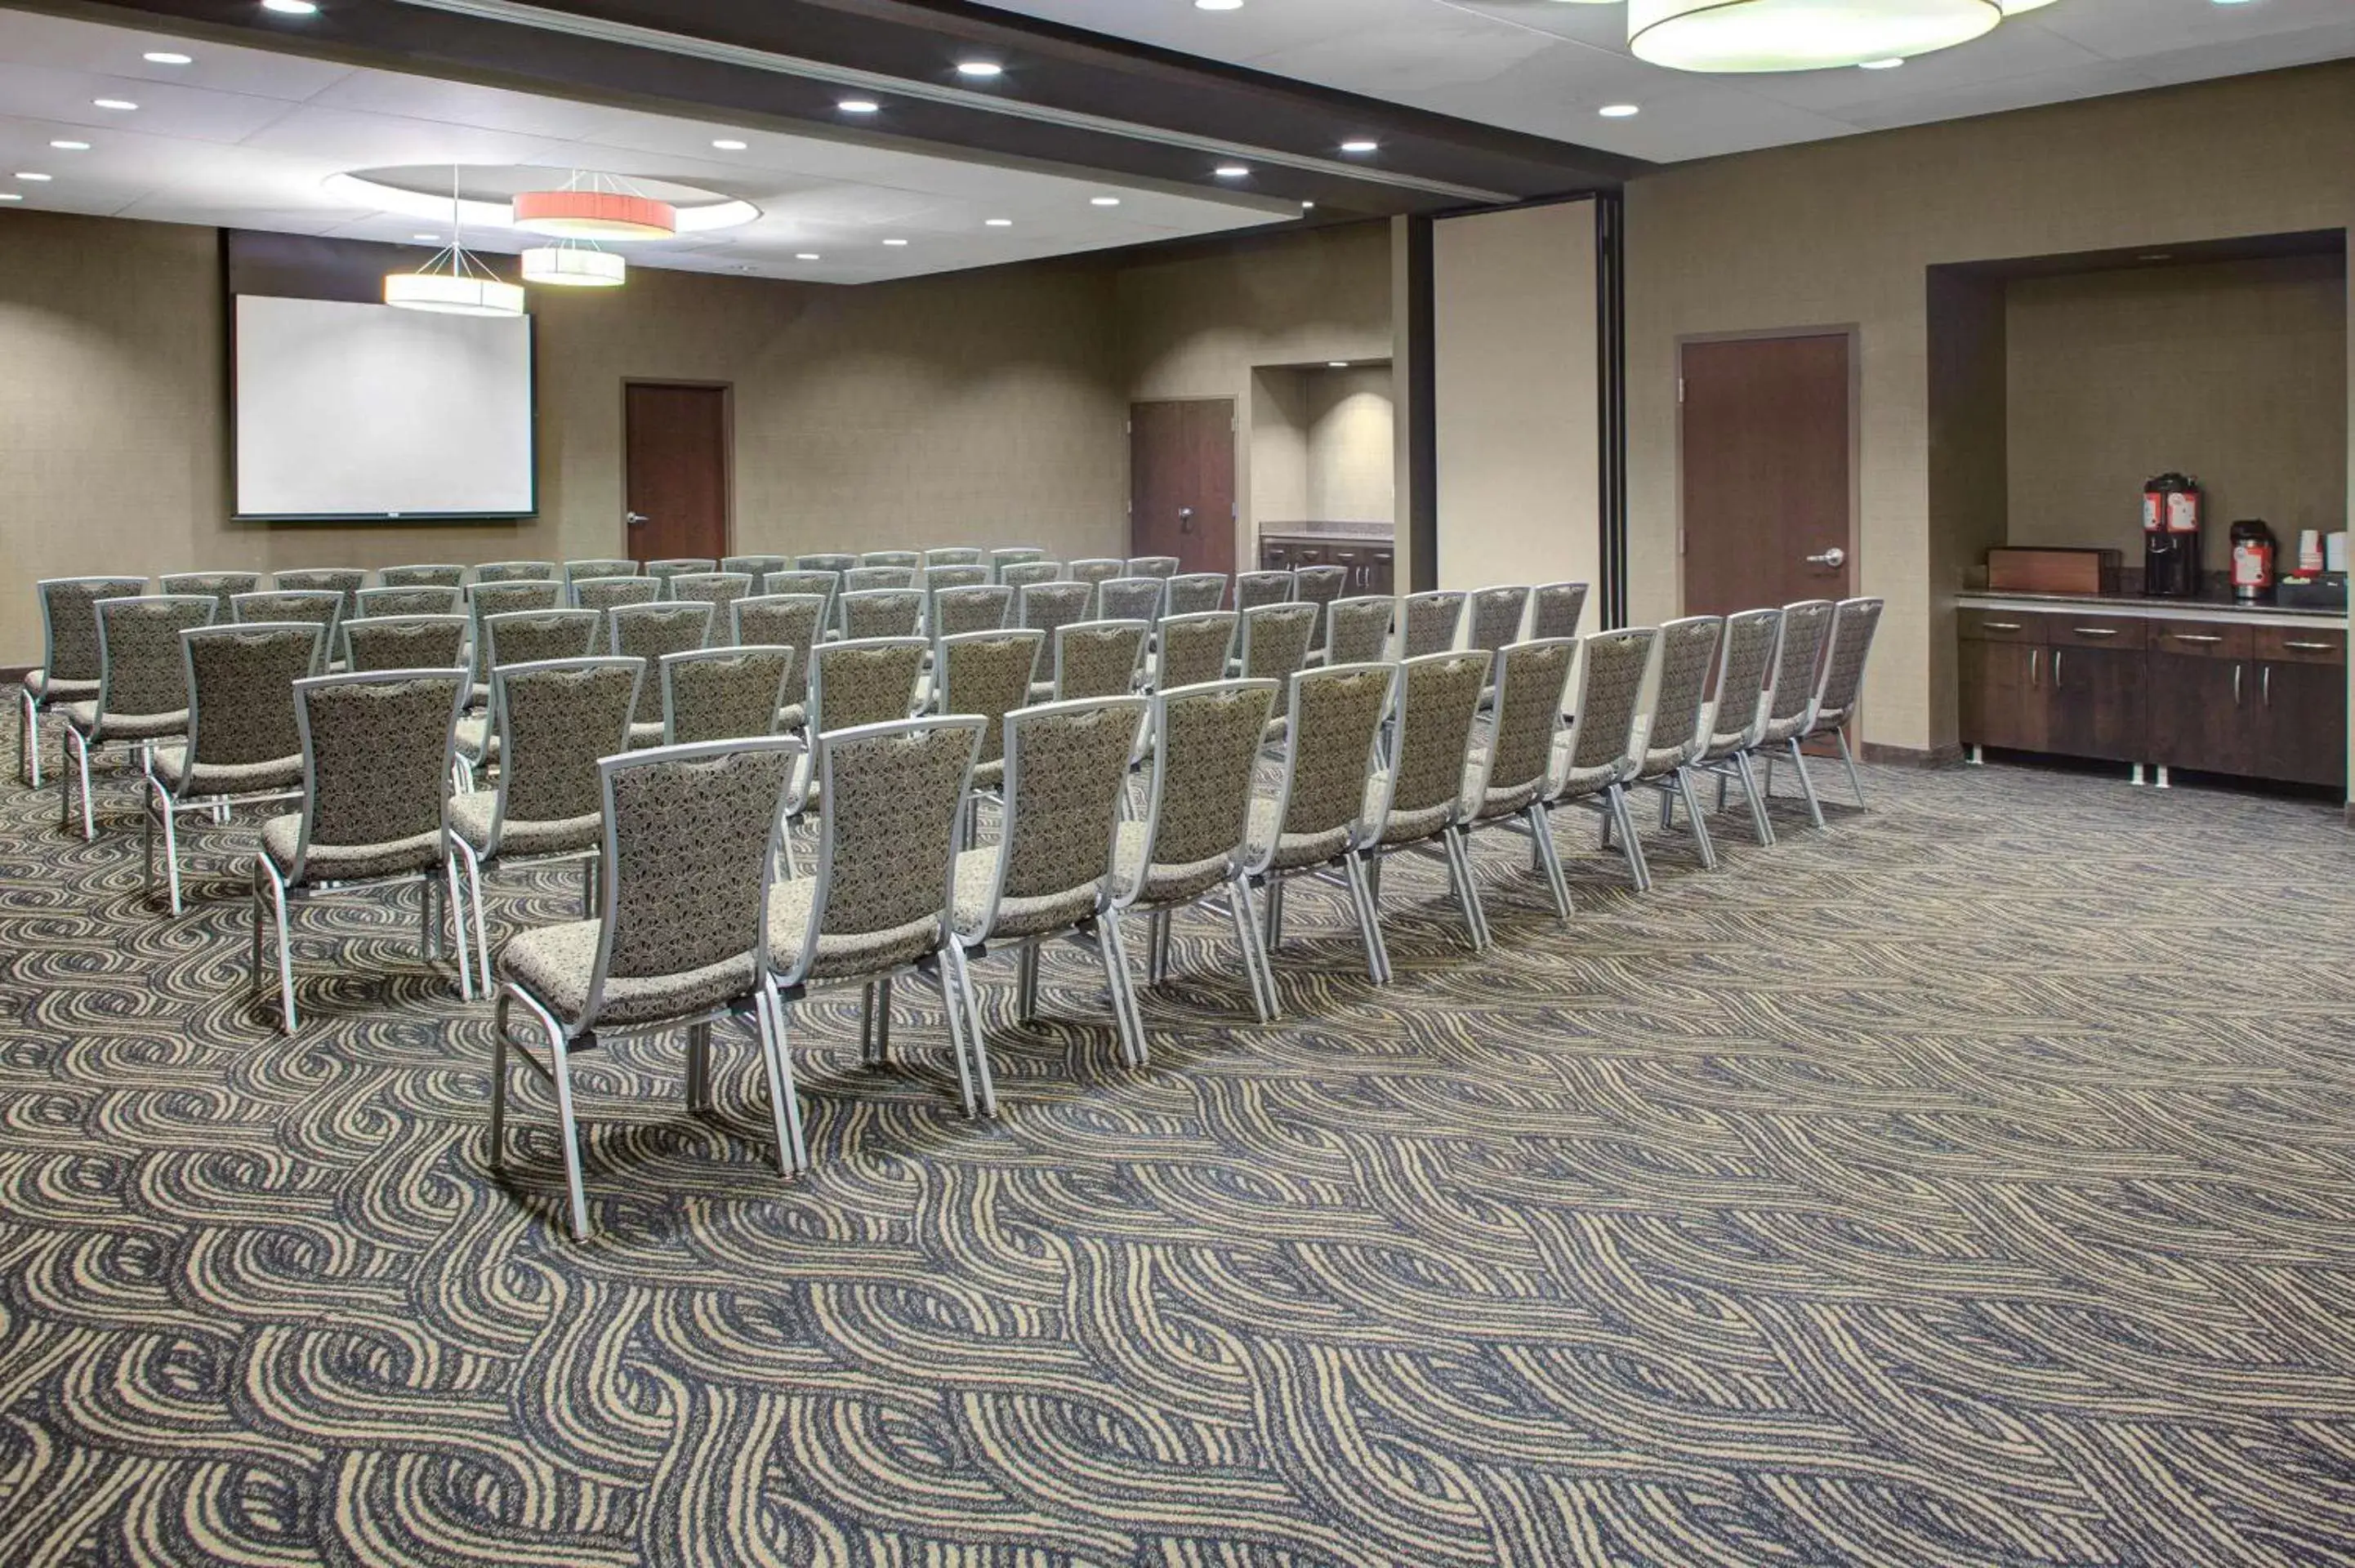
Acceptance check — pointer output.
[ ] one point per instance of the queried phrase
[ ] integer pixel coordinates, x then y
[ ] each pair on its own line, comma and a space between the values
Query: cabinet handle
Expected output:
2056, 667
2194, 637
2094, 631
2311, 647
2265, 683
2033, 655
2000, 625
2236, 685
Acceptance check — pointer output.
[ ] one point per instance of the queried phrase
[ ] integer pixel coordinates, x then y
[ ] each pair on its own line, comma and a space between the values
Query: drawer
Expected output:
2300, 644
2098, 630
2200, 639
2000, 626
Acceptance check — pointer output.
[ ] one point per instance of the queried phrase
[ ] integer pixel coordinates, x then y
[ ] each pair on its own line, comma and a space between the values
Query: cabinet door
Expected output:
2096, 705
1381, 571
2302, 723
2199, 715
1276, 556
2003, 697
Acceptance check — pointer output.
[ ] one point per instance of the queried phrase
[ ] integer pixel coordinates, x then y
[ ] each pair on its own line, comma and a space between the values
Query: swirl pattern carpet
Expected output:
1968, 1184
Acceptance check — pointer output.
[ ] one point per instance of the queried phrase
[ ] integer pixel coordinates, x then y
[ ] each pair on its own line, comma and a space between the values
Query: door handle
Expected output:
2236, 685
2265, 684
636, 519
1185, 519
2056, 667
1834, 557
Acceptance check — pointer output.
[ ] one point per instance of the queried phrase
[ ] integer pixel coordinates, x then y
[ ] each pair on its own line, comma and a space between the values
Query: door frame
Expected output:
727, 390
1852, 331
1236, 407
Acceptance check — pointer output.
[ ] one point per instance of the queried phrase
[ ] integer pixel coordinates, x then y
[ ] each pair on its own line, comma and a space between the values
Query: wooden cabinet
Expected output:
2094, 706
1370, 563
2301, 704
2198, 678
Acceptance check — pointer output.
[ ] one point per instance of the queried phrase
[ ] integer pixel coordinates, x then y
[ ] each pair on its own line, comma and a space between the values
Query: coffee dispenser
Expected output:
2170, 536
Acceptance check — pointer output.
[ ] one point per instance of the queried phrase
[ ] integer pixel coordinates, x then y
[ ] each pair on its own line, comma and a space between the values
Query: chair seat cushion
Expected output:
1480, 804
469, 818
643, 735
1403, 827
37, 681
84, 717
793, 715
1565, 782
476, 741
1659, 759
1263, 845
1015, 916
1782, 729
224, 778
347, 862
554, 963
1163, 885
841, 955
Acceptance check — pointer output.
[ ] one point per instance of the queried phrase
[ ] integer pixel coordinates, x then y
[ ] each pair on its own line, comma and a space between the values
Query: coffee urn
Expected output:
2170, 536
2252, 560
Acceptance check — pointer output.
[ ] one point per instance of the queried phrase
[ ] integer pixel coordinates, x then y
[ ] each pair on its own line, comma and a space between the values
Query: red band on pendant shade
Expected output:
593, 213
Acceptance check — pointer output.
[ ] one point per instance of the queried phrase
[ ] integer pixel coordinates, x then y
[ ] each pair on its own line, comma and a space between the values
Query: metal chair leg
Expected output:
883, 1019
1696, 822
1026, 985
1255, 959
28, 739
1759, 819
474, 895
784, 1102
499, 1081
1541, 836
698, 1066
1807, 785
987, 1084
1370, 924
1848, 760
1457, 846
287, 1023
1639, 865
1113, 949
560, 1067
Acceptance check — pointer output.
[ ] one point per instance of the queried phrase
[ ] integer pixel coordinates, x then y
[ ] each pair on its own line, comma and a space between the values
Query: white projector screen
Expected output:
363, 412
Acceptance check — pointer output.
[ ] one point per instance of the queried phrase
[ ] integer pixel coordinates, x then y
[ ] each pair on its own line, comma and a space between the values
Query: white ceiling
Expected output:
1545, 67
246, 138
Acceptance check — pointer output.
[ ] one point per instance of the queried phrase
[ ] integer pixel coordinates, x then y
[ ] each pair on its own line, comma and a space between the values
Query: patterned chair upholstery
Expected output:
671, 567
939, 580
718, 589
875, 579
1255, 588
441, 574
864, 681
1415, 797
1066, 775
1019, 575
958, 555
1595, 757
882, 612
794, 620
142, 688
1048, 607
1672, 731
516, 572
986, 674
518, 636
1194, 648
222, 586
242, 741
1317, 818
1505, 781
1497, 614
1094, 569
321, 607
484, 599
1131, 598
1854, 621
419, 600
1013, 555
1275, 639
1556, 608
1428, 622
69, 669
648, 632
1791, 696
1319, 585
1162, 567
723, 693
375, 762
592, 568
907, 560
757, 567
799, 581
980, 608
1097, 659
404, 641
348, 581
605, 594
1736, 720
556, 718
1358, 630
833, 562
1190, 845
1197, 593
689, 835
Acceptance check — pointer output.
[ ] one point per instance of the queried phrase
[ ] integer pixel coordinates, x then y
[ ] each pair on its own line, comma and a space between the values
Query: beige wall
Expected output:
2235, 372
1350, 441
1514, 390
1279, 445
1839, 232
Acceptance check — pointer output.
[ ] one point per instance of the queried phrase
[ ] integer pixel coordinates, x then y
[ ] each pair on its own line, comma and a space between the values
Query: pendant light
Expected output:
1723, 36
605, 209
454, 282
570, 264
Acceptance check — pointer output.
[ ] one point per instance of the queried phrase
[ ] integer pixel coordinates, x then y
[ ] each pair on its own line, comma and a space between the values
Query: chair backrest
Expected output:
1163, 567
598, 567
376, 749
604, 594
557, 717
1194, 648
432, 574
1131, 598
863, 681
1098, 658
958, 555
1019, 575
419, 598
1319, 585
223, 587
535, 636
757, 567
141, 669
869, 579
1097, 569
723, 693
516, 572
987, 674
1805, 624
889, 835
953, 575
794, 620
718, 589
1612, 668
70, 622
1047, 607
1358, 630
1556, 608
882, 612
240, 690
1497, 617
1066, 772
691, 852
1195, 593
1275, 639
1210, 737
648, 632
983, 607
907, 559
1438, 701
486, 600
833, 562
324, 606
1255, 588
404, 641
1531, 680
1429, 622
664, 571
1336, 715
1745, 657
346, 581
1688, 654
801, 580
1853, 623
1013, 555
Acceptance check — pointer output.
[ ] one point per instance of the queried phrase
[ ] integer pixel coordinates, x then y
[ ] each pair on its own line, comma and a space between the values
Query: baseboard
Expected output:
1911, 756
14, 674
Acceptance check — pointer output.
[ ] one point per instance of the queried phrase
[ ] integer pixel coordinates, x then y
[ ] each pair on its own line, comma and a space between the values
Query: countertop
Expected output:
1360, 533
2153, 608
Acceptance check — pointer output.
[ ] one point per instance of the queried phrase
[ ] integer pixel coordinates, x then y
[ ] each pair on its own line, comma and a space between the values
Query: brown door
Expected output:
676, 438
1764, 450
1181, 482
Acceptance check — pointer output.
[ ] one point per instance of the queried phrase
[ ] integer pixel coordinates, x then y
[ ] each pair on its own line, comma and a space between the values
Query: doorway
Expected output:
677, 440
1181, 482
1765, 439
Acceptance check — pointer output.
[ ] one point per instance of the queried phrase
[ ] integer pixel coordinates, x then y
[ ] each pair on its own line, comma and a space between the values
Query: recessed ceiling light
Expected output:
2157, 256
858, 106
895, 242
33, 174
2232, 2
998, 222
167, 57
122, 104
1361, 145
1337, 365
424, 236
728, 144
980, 68
1889, 64
1232, 171
10, 195
1306, 205
70, 146
1104, 201
1617, 111
291, 8
806, 256
1218, 5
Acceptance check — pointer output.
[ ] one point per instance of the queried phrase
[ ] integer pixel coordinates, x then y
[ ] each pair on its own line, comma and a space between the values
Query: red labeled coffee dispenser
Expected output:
2252, 560
2170, 536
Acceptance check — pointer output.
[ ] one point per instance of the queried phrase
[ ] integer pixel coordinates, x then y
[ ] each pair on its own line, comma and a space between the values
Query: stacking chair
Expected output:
1505, 783
1853, 624
872, 579
1049, 874
799, 581
440, 574
1594, 760
1428, 622
69, 666
1416, 797
1673, 733
1163, 567
222, 586
405, 642
1319, 585
604, 594
981, 607
347, 581
500, 597
142, 688
1496, 614
420, 599
986, 674
1555, 609
723, 693
1045, 608
907, 560
1131, 598
516, 637
1097, 659
1193, 649
648, 632
958, 555
556, 718
1190, 845
1019, 575
882, 612
241, 679
1358, 630
516, 572
689, 838
376, 765
672, 567
794, 620
757, 567
1276, 648
878, 902
321, 607
1012, 556
833, 562
953, 575
1791, 698
578, 572
1736, 719
1094, 569
1197, 593
718, 589
1316, 819
1255, 588
864, 681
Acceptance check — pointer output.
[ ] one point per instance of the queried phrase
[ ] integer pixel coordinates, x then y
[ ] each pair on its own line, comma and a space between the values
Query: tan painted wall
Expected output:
2235, 371
1839, 232
1279, 445
1350, 441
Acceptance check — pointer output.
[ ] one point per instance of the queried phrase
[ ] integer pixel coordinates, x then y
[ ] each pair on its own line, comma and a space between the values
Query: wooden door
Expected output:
677, 439
1764, 450
1181, 482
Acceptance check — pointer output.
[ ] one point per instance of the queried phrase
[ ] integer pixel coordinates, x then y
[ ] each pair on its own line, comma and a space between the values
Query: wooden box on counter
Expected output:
2025, 568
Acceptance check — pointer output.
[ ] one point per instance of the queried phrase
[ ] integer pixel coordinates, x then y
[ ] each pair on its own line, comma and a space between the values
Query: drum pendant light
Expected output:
604, 207
1800, 34
572, 264
454, 282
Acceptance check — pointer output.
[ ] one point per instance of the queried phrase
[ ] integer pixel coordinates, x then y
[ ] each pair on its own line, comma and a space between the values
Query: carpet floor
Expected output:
1970, 1184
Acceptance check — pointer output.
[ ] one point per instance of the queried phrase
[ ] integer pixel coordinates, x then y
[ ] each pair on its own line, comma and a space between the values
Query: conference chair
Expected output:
1162, 567
604, 594
321, 607
243, 746
875, 579
723, 693
1131, 598
516, 572
647, 632
1673, 733
671, 567
834, 562
1736, 717
958, 555
953, 575
222, 586
376, 766
882, 612
1505, 781
757, 567
1094, 569
986, 674
1429, 622
346, 581
907, 560
700, 817
71, 662
1358, 630
1019, 575
1791, 696
794, 620
405, 642
718, 589
1597, 755
1854, 621
430, 575
1045, 608
1319, 585
578, 572
516, 637
142, 689
375, 603
1013, 555
864, 681
1276, 648
824, 585
1555, 609
1194, 648
1496, 616
1253, 589
1096, 658
1197, 593
1050, 872
501, 598
1317, 817
980, 608
1414, 798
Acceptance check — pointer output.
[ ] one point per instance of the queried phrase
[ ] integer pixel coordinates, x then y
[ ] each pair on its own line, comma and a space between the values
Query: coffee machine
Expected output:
2170, 536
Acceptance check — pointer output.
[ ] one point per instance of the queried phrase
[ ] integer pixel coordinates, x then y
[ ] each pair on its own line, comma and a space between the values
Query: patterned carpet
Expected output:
1969, 1184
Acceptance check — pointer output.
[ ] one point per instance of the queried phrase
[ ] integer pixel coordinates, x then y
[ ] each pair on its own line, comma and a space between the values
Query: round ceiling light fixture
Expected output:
1741, 36
592, 212
570, 265
452, 283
